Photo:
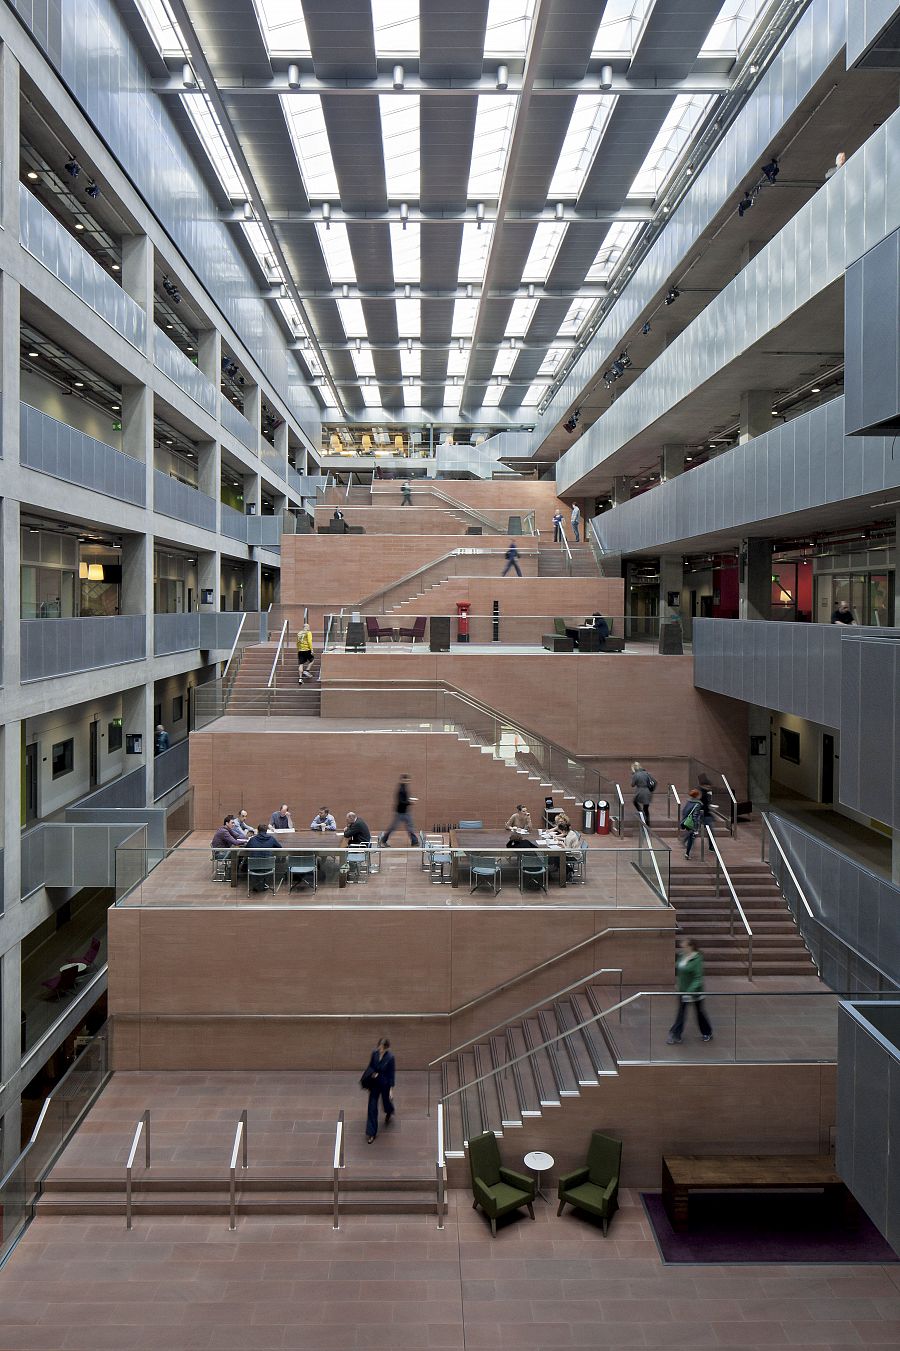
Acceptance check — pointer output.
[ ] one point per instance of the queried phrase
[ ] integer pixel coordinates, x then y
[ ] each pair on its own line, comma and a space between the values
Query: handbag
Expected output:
369, 1078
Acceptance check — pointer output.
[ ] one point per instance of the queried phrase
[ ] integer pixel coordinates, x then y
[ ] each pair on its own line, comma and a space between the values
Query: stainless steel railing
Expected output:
239, 1147
441, 1168
141, 1129
722, 871
271, 683
337, 1169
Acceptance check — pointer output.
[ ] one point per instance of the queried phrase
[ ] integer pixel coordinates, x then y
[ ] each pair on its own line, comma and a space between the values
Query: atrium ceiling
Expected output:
439, 196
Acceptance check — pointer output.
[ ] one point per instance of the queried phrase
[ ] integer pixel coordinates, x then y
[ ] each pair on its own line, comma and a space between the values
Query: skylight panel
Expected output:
493, 130
411, 364
586, 128
681, 122
208, 128
306, 123
550, 362
162, 27
734, 24
256, 237
621, 26
464, 312
473, 252
396, 26
400, 137
292, 316
335, 244
283, 26
575, 317
452, 396
619, 238
508, 26
364, 362
352, 317
547, 239
412, 396
406, 252
520, 317
409, 322
535, 393
457, 361
504, 361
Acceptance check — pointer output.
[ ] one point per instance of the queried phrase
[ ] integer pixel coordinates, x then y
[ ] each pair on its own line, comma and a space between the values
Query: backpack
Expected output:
651, 783
693, 818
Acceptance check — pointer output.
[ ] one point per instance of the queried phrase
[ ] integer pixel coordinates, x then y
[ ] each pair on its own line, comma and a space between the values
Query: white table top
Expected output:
539, 1161
282, 830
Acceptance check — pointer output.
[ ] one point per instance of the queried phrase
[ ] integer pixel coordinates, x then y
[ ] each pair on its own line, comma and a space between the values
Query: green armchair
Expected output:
496, 1189
595, 1188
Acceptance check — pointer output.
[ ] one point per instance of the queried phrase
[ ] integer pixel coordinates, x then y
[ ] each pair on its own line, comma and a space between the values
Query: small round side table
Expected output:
539, 1162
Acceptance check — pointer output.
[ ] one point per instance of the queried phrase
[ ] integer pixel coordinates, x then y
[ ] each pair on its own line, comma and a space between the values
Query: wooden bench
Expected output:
686, 1173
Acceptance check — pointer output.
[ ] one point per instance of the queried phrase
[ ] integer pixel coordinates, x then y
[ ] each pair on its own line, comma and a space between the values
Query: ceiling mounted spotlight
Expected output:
32, 175
407, 291
479, 214
326, 214
345, 291
606, 77
754, 68
502, 77
409, 344
816, 389
772, 169
559, 211
293, 76
188, 78
461, 345
359, 344
745, 204
671, 295
72, 167
646, 329
397, 77
404, 214
531, 290
248, 211
92, 190
469, 291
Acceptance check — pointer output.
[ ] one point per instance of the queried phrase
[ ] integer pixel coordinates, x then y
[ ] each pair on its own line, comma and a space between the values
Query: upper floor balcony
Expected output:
64, 452
55, 647
182, 372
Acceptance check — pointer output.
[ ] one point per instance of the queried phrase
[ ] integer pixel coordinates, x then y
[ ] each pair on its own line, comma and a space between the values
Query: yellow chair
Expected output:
335, 443
366, 444
398, 444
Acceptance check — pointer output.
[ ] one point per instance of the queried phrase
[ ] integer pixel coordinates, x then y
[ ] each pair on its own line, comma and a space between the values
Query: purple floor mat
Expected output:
774, 1228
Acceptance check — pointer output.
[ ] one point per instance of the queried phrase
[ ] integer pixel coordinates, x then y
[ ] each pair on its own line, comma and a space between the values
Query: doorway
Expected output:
95, 754
827, 793
32, 756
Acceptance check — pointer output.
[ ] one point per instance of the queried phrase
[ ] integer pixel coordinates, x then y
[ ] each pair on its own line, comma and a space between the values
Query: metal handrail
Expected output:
337, 1166
240, 1144
662, 890
620, 824
441, 1168
270, 683
672, 792
425, 567
787, 862
234, 645
720, 866
734, 813
142, 1128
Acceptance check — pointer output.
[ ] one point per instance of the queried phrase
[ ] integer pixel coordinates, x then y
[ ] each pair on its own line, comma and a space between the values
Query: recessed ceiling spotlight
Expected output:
115, 267
33, 353
33, 175
79, 384
115, 407
816, 389
78, 225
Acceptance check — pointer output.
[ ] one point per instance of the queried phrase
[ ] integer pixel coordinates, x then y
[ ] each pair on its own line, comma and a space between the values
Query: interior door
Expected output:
827, 793
32, 755
95, 754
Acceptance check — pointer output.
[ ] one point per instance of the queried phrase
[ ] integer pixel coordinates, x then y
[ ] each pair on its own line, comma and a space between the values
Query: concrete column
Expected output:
758, 725
209, 474
895, 858
11, 806
251, 482
252, 408
137, 424
10, 542
671, 462
209, 562
137, 716
671, 579
9, 145
621, 489
137, 275
756, 413
755, 579
896, 587
251, 586
209, 355
137, 580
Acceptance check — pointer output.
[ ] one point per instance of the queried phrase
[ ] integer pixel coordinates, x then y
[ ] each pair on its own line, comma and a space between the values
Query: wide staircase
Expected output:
709, 919
497, 1082
249, 692
553, 562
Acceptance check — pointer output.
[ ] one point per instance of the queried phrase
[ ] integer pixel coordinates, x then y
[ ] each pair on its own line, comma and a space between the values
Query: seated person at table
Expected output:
262, 840
570, 841
323, 820
520, 819
281, 820
225, 838
241, 824
601, 625
357, 832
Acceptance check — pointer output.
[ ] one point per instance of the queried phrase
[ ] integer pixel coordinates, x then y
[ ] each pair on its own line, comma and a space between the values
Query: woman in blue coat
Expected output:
381, 1073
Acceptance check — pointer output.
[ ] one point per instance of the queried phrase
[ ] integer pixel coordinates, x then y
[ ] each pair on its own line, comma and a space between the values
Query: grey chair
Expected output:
439, 861
470, 825
484, 870
576, 864
533, 867
260, 871
357, 864
303, 868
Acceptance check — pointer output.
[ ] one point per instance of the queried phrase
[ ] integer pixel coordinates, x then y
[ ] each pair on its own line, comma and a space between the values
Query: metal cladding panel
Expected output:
446, 133
441, 246
794, 668
437, 323
545, 130
372, 257
671, 38
353, 123
872, 338
629, 134
580, 245
567, 45
870, 723
266, 141
872, 33
381, 326
341, 38
451, 39
231, 38
327, 319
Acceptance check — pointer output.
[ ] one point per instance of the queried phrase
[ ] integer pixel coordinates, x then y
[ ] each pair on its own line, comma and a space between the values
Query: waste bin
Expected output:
589, 816
604, 819
462, 620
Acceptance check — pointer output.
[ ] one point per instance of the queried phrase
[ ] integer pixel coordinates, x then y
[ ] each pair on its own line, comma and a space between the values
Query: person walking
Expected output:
304, 654
691, 819
160, 740
557, 526
576, 522
512, 559
402, 813
842, 614
405, 494
379, 1079
689, 984
644, 786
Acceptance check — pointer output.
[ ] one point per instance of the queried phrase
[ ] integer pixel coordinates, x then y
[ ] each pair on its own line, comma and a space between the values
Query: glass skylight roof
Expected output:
535, 393
508, 26
400, 136
351, 312
396, 26
474, 251
674, 134
575, 317
619, 238
493, 129
547, 238
736, 21
206, 124
621, 26
283, 26
592, 112
335, 243
492, 396
306, 123
162, 27
406, 252
464, 312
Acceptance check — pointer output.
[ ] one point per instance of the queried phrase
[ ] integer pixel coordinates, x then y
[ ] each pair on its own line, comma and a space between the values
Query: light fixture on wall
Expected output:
83, 571
95, 572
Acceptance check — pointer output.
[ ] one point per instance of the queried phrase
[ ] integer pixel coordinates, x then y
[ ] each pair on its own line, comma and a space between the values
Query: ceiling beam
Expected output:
564, 344
462, 291
634, 209
622, 86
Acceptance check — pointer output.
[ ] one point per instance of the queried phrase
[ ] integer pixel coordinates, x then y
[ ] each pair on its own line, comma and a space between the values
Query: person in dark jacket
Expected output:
357, 832
512, 560
691, 819
402, 813
689, 983
263, 839
381, 1085
643, 784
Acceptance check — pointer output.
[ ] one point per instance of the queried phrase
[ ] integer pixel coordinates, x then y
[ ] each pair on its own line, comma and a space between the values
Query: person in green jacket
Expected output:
689, 984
